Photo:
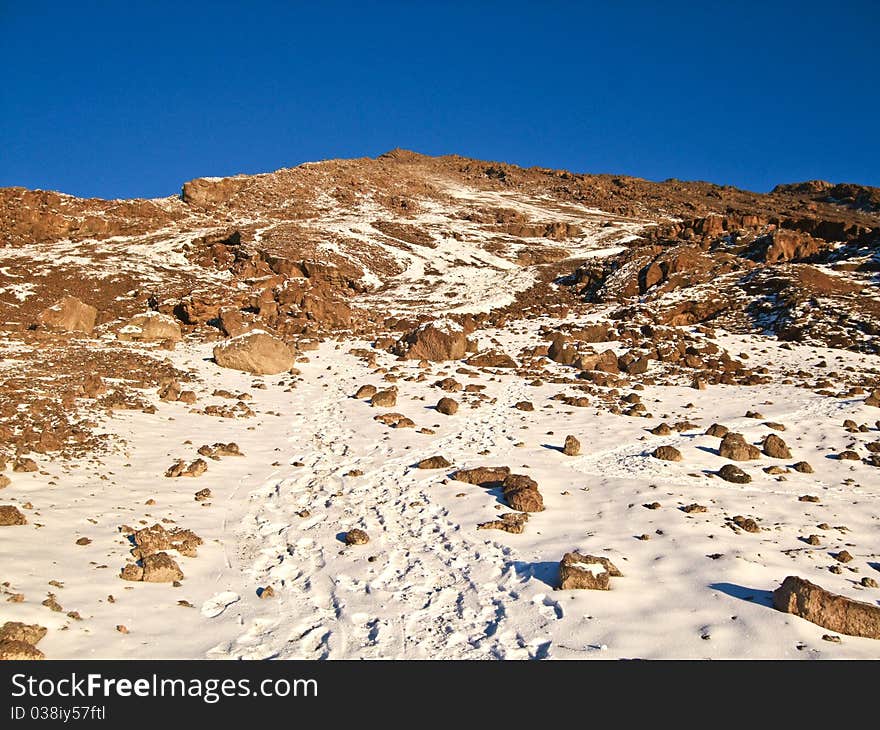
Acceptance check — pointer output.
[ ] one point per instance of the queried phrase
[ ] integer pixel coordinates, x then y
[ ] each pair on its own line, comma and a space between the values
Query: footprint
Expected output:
217, 604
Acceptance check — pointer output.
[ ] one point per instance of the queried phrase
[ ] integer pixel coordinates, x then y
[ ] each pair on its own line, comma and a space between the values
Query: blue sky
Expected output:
120, 99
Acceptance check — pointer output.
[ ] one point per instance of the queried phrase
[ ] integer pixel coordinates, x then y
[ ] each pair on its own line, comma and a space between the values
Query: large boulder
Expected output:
734, 446
150, 327
831, 611
255, 352
69, 314
439, 340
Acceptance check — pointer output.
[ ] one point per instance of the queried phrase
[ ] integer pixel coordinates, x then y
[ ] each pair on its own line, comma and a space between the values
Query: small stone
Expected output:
356, 537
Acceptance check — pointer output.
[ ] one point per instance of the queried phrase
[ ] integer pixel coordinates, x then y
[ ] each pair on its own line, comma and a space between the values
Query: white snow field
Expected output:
429, 584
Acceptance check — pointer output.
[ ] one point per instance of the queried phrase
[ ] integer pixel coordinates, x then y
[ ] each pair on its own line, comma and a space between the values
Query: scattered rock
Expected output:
732, 473
182, 469
829, 610
586, 572
447, 406
733, 446
356, 537
513, 522
521, 493
775, 447
667, 453
384, 399
572, 446
434, 462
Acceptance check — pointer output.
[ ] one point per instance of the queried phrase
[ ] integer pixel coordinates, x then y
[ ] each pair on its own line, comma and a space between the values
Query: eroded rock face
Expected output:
150, 327
69, 314
435, 341
831, 611
255, 352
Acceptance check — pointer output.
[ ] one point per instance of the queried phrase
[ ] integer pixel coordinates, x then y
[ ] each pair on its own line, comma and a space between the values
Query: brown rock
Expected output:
512, 522
434, 462
667, 453
384, 399
803, 467
488, 477
447, 406
69, 314
11, 515
366, 391
161, 568
586, 572
255, 352
434, 341
17, 631
828, 610
734, 446
521, 493
19, 651
356, 537
734, 474
775, 447
491, 359
150, 327
524, 405
717, 430
572, 446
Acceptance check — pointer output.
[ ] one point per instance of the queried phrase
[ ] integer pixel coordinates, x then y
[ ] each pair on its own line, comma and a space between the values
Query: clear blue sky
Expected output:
123, 99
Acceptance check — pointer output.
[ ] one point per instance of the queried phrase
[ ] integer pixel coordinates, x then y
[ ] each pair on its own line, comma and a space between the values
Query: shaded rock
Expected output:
734, 474
803, 467
69, 314
524, 405
829, 610
717, 430
775, 447
434, 462
447, 406
572, 446
667, 453
366, 391
488, 477
521, 493
255, 352
512, 522
384, 399
746, 523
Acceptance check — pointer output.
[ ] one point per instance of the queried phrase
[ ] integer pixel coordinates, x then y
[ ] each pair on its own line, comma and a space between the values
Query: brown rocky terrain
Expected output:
436, 309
